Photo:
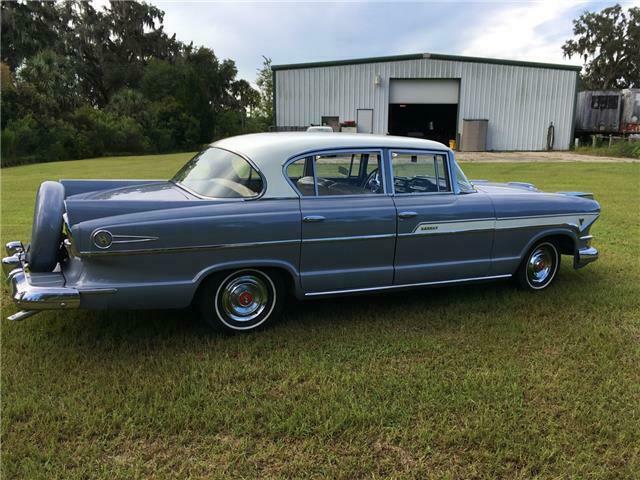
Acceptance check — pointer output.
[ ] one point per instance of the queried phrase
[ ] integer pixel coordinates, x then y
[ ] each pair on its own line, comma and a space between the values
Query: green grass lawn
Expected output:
480, 381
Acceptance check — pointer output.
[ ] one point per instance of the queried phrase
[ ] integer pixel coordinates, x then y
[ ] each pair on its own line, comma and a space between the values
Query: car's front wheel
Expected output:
242, 300
540, 267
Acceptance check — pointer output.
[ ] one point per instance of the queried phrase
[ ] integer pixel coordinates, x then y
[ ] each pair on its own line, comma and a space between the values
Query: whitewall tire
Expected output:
539, 267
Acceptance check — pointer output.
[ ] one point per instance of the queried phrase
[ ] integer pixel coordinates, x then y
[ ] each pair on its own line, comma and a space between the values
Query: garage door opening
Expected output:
424, 108
431, 121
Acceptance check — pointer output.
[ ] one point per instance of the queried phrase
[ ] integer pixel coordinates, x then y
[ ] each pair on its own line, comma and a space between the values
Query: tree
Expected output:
111, 47
609, 44
47, 84
80, 80
28, 27
265, 86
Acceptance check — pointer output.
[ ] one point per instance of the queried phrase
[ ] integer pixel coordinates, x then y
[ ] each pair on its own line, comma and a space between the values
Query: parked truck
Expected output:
608, 112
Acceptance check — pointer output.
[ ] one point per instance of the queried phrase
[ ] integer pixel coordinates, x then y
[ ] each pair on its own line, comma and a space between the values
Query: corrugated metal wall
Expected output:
518, 101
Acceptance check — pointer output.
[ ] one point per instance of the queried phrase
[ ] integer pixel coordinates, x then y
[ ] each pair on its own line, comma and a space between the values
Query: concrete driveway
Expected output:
558, 156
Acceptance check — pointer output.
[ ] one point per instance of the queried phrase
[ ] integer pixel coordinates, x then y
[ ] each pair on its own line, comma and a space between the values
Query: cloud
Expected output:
309, 31
532, 31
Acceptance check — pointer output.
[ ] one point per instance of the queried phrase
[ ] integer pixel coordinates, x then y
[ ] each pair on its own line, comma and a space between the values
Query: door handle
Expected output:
407, 215
313, 218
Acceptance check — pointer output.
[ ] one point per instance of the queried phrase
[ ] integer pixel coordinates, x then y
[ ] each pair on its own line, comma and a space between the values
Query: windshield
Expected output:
464, 185
220, 174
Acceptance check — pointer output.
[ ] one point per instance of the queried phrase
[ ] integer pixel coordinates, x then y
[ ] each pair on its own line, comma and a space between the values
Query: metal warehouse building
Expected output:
432, 96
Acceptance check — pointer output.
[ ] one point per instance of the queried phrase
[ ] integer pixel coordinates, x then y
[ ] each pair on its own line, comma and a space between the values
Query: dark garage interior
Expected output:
430, 121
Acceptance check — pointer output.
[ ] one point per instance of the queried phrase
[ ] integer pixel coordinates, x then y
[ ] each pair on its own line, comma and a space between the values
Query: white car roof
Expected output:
269, 151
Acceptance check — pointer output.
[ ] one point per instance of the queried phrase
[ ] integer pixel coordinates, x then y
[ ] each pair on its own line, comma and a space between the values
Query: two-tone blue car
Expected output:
254, 218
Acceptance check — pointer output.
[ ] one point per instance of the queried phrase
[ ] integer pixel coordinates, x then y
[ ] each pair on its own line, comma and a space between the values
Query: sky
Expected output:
294, 32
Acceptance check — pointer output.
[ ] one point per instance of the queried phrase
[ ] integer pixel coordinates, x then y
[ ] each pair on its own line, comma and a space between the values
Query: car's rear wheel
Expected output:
540, 267
242, 300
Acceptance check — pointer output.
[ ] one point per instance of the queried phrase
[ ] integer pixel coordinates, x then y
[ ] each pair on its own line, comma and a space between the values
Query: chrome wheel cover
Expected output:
541, 265
244, 298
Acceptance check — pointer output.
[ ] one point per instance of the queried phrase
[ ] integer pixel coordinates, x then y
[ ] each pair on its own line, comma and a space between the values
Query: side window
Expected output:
420, 173
300, 173
219, 173
349, 173
357, 173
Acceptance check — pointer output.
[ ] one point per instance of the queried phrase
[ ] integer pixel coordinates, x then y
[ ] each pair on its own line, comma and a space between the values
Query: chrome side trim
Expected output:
579, 220
409, 285
345, 239
132, 238
570, 214
189, 248
97, 291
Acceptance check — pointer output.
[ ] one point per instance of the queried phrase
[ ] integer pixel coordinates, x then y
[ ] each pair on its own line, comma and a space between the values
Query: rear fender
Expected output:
290, 269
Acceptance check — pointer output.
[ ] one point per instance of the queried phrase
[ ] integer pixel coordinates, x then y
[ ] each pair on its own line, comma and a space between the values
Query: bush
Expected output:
102, 133
622, 148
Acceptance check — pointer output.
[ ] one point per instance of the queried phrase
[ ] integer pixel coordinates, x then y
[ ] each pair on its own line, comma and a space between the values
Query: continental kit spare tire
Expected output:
46, 235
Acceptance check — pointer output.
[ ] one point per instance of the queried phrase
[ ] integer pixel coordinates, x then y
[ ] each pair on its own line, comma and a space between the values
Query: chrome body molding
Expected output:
581, 221
189, 248
353, 237
410, 285
132, 238
115, 239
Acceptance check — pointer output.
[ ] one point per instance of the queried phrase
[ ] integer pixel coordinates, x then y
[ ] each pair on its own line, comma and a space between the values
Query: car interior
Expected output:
340, 174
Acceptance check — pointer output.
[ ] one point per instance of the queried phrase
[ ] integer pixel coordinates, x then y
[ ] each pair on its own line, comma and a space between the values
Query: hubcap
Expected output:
540, 265
244, 298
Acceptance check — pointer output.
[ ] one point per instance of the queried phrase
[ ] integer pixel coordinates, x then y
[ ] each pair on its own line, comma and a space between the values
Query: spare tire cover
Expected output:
46, 234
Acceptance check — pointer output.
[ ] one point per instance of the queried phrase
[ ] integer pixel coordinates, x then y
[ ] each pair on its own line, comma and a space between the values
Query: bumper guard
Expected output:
585, 254
33, 293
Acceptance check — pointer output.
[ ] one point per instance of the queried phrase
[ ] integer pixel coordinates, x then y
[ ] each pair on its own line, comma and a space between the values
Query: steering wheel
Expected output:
372, 182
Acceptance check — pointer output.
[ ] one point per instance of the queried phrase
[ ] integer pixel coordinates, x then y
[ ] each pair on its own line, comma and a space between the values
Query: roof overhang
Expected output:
421, 56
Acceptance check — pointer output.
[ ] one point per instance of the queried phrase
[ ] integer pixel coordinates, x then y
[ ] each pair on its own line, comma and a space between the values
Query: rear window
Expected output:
220, 173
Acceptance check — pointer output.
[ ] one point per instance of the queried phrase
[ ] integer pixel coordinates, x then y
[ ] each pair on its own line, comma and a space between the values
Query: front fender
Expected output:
571, 234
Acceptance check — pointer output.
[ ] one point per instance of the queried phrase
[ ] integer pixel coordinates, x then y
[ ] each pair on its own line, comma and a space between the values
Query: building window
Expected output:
604, 102
330, 121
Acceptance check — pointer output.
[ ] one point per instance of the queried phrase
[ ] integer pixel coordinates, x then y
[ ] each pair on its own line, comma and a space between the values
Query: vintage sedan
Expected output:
254, 218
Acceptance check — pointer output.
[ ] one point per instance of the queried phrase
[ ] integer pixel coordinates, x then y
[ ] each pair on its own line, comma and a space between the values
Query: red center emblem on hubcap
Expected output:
245, 298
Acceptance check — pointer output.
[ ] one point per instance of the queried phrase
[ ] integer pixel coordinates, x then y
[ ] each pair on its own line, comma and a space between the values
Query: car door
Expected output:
348, 220
443, 235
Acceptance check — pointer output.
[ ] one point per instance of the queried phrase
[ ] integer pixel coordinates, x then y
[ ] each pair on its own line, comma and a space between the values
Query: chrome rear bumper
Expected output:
38, 291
